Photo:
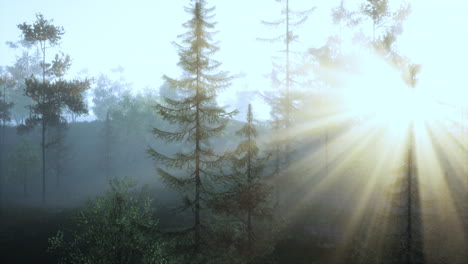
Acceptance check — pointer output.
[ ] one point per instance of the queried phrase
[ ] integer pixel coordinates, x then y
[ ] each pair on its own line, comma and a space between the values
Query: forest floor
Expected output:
24, 233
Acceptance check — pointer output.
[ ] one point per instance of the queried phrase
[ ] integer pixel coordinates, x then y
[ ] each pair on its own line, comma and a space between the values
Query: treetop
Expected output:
42, 30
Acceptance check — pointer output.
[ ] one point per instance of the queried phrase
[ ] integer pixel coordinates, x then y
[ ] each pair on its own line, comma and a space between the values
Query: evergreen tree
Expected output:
198, 119
386, 25
45, 34
276, 151
342, 16
247, 195
5, 117
284, 75
50, 97
283, 105
406, 234
378, 11
405, 199
413, 248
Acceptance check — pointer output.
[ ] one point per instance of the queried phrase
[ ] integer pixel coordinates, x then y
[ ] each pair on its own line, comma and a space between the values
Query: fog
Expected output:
155, 132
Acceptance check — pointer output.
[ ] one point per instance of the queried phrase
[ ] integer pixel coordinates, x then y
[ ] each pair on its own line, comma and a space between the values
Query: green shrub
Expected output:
116, 228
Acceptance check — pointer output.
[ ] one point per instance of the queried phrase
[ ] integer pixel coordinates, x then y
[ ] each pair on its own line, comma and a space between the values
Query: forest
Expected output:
350, 154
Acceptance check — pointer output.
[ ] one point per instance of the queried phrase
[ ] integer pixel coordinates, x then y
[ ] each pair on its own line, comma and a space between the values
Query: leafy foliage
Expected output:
116, 228
377, 10
41, 31
51, 97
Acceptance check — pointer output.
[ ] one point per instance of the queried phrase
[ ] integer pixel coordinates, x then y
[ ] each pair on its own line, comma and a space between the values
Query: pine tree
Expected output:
197, 117
276, 151
50, 97
284, 75
247, 195
386, 25
342, 16
406, 198
283, 105
413, 249
378, 11
406, 211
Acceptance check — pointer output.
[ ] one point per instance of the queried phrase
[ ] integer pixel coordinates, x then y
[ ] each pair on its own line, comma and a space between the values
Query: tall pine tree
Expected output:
197, 118
53, 94
284, 75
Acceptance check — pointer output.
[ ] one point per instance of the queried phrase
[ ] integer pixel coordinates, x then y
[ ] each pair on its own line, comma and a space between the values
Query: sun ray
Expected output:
358, 135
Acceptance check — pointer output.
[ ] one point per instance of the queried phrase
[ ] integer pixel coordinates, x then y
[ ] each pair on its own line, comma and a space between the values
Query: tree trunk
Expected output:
43, 47
197, 235
2, 140
409, 224
288, 96
277, 165
2, 146
43, 161
58, 165
107, 146
249, 184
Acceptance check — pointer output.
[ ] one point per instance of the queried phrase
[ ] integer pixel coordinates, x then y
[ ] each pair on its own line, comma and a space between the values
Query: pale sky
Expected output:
137, 34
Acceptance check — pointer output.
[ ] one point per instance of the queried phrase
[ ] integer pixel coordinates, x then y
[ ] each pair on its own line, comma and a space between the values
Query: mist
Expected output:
240, 132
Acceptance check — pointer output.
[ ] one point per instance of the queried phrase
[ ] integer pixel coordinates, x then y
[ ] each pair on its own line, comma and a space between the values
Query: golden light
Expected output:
365, 141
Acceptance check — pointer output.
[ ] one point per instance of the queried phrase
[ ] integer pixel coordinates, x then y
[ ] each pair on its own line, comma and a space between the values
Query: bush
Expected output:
116, 228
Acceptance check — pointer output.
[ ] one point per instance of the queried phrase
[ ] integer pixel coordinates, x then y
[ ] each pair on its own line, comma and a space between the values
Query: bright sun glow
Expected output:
378, 93
366, 136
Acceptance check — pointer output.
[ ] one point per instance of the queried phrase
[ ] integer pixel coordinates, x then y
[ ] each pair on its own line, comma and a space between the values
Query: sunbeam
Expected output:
368, 116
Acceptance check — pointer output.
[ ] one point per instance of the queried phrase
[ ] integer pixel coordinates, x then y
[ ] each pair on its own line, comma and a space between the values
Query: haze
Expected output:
343, 141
